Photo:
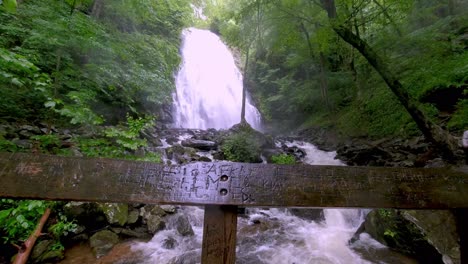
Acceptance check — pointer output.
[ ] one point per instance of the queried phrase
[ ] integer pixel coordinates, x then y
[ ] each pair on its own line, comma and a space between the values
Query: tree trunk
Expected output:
434, 133
97, 8
324, 81
25, 251
323, 76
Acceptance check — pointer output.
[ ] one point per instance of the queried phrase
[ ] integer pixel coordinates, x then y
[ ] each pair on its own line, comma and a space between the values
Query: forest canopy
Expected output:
301, 68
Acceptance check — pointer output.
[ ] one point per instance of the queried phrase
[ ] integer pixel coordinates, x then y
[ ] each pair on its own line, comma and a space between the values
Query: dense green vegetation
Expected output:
82, 77
89, 62
302, 73
104, 70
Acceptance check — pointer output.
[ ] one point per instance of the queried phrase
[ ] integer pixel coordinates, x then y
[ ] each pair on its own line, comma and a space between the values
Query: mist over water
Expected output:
209, 85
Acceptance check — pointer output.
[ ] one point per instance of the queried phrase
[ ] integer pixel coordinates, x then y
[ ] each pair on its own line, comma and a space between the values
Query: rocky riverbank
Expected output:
103, 226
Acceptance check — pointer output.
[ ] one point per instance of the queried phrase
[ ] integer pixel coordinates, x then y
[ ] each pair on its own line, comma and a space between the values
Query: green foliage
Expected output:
7, 145
304, 73
21, 82
63, 226
283, 159
241, 147
128, 136
48, 143
19, 218
459, 120
9, 6
58, 60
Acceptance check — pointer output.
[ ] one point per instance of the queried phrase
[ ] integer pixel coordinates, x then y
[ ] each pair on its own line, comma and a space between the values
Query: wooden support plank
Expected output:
227, 183
219, 234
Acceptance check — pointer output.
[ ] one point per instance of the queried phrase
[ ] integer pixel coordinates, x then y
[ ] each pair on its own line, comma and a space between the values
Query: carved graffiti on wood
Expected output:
41, 176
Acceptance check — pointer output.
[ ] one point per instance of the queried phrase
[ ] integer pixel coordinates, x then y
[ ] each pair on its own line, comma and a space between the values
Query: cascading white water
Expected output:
209, 85
209, 92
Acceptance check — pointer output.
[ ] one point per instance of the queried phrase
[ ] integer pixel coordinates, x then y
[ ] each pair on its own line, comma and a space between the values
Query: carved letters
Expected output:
230, 183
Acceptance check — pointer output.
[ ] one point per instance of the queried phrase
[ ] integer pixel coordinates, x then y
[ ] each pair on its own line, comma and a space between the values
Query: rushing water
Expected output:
209, 85
271, 235
209, 92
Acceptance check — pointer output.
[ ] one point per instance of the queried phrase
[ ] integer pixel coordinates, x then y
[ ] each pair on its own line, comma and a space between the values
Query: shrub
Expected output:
241, 147
283, 159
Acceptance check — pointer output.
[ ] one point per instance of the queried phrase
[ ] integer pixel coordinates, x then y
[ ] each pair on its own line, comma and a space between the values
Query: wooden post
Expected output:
219, 234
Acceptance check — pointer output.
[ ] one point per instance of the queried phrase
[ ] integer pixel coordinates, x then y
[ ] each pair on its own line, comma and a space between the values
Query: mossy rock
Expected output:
389, 227
242, 143
102, 242
116, 213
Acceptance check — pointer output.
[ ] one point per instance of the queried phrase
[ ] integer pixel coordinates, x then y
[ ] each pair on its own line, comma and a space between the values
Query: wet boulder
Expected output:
199, 144
313, 214
391, 228
116, 213
102, 242
183, 226
43, 252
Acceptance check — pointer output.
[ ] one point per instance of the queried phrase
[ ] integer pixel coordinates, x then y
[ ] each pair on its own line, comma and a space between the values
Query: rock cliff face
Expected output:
428, 236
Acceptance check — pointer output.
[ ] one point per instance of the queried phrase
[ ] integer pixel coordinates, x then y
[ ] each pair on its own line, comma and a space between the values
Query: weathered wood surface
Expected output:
219, 234
96, 179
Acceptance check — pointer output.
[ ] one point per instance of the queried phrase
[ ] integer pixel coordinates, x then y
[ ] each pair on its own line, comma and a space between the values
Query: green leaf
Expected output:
10, 6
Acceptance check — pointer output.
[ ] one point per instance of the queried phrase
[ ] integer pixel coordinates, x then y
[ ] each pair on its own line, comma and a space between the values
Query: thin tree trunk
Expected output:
97, 8
452, 7
323, 77
25, 251
434, 133
324, 81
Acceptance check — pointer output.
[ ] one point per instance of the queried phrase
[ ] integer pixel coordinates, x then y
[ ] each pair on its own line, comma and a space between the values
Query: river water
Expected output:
209, 92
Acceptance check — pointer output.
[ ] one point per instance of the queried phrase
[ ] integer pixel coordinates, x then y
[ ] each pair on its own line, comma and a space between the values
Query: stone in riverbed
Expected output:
183, 226
199, 144
133, 216
155, 223
102, 242
116, 213
169, 243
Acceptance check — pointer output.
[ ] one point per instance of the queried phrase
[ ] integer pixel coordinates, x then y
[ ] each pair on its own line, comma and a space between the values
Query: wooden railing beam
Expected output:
227, 183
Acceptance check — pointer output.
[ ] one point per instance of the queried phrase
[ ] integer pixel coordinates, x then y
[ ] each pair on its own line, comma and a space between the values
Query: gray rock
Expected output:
151, 210
32, 129
308, 213
205, 159
102, 242
169, 243
440, 231
199, 144
52, 256
155, 223
170, 209
40, 249
116, 213
183, 226
133, 216
390, 228
137, 233
187, 258
22, 143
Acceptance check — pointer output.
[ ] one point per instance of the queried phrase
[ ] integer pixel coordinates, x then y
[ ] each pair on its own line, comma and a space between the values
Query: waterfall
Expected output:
209, 92
209, 85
